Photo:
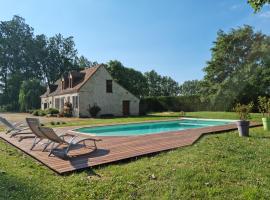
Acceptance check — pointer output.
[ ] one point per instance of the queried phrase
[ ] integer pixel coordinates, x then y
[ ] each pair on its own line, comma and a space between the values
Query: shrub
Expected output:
52, 123
35, 113
52, 111
58, 123
264, 105
94, 110
244, 110
67, 111
42, 113
107, 116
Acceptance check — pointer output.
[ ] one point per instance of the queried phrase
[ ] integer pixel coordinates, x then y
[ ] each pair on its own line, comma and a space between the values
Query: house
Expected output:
91, 86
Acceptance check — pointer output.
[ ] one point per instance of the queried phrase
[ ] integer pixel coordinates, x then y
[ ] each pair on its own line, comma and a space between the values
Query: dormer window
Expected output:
70, 81
63, 84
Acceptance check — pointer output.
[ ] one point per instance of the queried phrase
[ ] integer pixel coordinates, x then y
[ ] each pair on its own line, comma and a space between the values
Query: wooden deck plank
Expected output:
112, 149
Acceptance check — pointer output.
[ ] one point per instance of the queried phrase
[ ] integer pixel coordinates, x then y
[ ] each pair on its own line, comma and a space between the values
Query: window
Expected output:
57, 103
45, 105
62, 103
109, 86
75, 101
63, 84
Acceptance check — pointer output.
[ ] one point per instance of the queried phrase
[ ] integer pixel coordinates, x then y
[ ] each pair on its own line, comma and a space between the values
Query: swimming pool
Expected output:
150, 127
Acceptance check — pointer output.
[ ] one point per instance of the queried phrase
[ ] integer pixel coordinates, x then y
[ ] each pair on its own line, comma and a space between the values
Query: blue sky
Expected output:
173, 37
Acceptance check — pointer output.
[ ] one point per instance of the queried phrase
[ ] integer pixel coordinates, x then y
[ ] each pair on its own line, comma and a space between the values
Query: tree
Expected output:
29, 96
83, 62
258, 4
16, 60
234, 73
24, 56
161, 85
154, 83
189, 88
132, 80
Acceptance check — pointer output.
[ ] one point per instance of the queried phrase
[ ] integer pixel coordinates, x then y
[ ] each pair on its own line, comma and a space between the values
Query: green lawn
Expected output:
222, 166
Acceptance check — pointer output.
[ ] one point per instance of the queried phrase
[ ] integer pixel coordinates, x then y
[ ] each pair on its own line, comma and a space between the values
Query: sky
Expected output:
172, 37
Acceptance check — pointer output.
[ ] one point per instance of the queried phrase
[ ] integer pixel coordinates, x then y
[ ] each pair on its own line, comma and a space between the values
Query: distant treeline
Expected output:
238, 71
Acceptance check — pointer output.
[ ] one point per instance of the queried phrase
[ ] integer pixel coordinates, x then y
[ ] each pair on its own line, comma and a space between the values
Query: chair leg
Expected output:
36, 141
46, 145
53, 148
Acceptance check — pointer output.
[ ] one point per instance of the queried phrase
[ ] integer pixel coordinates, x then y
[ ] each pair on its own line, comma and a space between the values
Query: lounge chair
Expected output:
14, 128
73, 142
34, 125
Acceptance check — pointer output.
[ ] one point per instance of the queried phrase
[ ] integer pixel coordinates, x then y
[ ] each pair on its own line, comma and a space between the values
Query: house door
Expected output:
126, 108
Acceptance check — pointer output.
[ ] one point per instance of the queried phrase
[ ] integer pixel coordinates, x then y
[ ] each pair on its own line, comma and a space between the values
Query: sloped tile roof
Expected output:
84, 76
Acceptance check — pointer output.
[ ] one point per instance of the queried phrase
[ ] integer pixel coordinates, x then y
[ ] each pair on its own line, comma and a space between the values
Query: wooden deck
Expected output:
112, 149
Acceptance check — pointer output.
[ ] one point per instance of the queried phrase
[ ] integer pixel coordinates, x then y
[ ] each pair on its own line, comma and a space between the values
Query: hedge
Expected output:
175, 104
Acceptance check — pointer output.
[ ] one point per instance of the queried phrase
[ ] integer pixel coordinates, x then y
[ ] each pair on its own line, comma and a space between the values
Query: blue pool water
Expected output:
150, 127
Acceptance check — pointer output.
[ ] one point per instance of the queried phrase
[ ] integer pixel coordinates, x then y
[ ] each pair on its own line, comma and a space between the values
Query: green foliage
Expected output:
237, 169
94, 110
132, 80
189, 88
264, 105
39, 112
175, 104
29, 96
52, 111
239, 69
258, 4
25, 57
161, 85
244, 110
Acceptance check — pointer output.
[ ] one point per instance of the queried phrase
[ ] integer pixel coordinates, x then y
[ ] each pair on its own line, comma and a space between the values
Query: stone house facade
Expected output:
92, 86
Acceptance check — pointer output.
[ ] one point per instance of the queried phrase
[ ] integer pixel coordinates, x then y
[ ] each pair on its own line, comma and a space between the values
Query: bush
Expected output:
94, 110
39, 112
244, 110
42, 113
107, 116
35, 113
52, 123
6, 108
67, 111
52, 111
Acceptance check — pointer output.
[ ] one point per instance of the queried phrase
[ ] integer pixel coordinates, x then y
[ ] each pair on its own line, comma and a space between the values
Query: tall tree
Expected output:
161, 85
232, 74
29, 96
82, 62
16, 60
132, 80
189, 88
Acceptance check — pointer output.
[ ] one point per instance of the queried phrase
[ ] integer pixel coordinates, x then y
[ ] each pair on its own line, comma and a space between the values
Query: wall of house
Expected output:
66, 98
94, 92
48, 101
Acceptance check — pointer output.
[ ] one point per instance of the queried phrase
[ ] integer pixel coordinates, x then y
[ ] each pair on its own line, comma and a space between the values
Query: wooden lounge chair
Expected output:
14, 128
74, 141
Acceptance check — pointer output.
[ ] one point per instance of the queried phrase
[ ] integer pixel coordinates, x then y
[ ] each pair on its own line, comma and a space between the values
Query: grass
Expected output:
222, 166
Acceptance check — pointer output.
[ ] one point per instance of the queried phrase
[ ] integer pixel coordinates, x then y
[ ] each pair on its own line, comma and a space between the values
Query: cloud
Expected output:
235, 7
265, 14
